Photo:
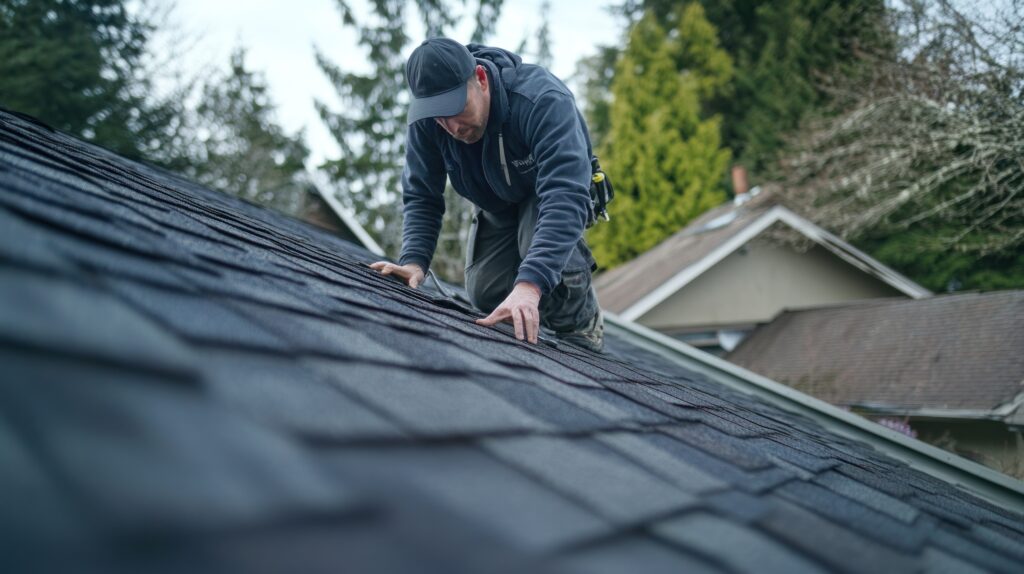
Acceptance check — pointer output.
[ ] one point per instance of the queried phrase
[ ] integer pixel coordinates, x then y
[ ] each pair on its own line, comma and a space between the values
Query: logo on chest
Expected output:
524, 165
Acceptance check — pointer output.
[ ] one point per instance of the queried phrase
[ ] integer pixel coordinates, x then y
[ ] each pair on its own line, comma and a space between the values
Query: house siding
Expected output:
757, 281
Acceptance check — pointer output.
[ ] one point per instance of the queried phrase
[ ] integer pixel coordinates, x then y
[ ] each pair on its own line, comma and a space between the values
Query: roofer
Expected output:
510, 139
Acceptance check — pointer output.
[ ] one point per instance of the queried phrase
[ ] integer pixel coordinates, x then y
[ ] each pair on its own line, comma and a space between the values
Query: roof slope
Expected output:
196, 383
945, 352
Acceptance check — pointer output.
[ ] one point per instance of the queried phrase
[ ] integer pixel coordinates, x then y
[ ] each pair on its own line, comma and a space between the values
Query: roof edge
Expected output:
852, 255
688, 274
980, 480
994, 415
349, 220
830, 242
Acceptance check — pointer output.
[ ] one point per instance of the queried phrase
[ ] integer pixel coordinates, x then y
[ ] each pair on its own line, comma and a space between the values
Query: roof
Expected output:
197, 383
348, 220
636, 287
954, 353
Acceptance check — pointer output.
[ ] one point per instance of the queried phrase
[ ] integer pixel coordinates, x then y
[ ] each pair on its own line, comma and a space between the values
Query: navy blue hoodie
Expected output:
535, 128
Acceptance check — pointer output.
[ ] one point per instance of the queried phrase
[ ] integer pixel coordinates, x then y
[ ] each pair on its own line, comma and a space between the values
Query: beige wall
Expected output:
757, 281
990, 443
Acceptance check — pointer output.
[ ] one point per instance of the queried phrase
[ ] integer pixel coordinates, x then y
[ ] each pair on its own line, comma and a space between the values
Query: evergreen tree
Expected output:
542, 55
81, 66
781, 50
594, 76
663, 156
242, 150
371, 127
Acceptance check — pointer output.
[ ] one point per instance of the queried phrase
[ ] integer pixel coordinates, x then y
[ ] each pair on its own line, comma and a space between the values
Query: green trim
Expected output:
981, 480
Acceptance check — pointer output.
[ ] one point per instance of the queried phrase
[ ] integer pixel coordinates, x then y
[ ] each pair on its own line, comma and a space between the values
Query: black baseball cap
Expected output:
437, 72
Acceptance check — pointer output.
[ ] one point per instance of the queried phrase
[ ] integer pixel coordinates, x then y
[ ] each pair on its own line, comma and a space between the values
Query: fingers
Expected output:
494, 318
525, 322
532, 325
411, 274
517, 323
385, 267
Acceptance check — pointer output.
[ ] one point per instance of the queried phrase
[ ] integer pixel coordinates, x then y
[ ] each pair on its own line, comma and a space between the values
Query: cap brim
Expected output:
448, 103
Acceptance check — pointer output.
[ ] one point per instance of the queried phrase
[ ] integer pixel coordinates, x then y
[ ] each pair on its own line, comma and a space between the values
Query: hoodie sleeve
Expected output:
423, 181
555, 135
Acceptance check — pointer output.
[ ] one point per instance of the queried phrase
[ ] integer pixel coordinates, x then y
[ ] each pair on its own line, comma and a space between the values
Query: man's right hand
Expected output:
411, 273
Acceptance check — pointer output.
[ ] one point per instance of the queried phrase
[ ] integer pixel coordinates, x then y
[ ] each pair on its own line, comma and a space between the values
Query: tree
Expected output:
780, 50
83, 67
242, 150
542, 56
922, 164
370, 129
595, 74
663, 156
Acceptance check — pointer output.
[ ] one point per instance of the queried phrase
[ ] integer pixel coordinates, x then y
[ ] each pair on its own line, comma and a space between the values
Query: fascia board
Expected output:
852, 255
364, 238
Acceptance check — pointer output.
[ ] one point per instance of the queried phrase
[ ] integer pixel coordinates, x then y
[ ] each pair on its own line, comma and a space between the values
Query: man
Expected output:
510, 139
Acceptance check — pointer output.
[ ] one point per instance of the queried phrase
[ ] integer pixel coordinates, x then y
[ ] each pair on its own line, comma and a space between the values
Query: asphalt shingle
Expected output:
229, 388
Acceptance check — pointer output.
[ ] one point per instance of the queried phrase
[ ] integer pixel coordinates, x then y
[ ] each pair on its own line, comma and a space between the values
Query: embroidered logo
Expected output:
523, 164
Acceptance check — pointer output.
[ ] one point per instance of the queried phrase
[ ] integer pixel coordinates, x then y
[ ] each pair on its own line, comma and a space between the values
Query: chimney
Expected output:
739, 184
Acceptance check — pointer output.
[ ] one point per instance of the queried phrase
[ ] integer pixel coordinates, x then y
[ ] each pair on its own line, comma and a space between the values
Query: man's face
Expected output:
469, 125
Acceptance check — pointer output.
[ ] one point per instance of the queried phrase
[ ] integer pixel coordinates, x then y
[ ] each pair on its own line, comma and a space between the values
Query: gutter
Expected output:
998, 414
980, 480
971, 415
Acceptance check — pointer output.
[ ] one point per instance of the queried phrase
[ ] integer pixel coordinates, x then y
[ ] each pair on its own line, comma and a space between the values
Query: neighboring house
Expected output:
713, 282
325, 211
952, 366
193, 383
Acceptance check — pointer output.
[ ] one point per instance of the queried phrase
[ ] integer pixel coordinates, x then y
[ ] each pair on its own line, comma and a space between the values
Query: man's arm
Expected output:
563, 178
423, 181
556, 139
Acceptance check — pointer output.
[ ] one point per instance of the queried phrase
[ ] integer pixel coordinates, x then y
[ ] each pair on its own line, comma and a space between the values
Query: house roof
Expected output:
348, 220
636, 287
958, 354
198, 383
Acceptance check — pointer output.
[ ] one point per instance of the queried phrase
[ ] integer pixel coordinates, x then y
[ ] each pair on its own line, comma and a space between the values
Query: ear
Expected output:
481, 75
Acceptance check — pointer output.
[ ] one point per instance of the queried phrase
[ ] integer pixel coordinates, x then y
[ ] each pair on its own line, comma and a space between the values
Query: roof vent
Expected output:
720, 221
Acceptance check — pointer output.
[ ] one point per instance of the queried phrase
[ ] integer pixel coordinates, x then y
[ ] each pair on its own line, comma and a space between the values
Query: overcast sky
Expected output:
280, 35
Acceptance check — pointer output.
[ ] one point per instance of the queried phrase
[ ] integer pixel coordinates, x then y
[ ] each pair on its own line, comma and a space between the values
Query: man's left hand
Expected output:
521, 309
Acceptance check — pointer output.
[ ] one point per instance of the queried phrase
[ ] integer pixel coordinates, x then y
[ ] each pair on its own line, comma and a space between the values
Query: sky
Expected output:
280, 35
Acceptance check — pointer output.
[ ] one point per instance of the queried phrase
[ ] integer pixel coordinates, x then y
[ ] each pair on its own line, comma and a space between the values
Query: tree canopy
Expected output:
82, 67
921, 163
241, 148
663, 155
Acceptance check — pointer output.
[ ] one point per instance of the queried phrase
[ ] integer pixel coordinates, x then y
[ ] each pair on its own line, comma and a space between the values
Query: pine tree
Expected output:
82, 67
544, 56
663, 156
781, 50
243, 151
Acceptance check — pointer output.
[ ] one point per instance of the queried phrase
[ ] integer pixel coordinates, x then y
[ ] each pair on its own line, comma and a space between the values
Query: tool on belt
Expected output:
601, 194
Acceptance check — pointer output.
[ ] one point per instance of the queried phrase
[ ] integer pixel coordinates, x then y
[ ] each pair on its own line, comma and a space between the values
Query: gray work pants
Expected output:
498, 242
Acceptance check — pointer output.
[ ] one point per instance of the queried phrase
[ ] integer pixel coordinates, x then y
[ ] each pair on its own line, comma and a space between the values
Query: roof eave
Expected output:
349, 220
930, 413
832, 243
979, 479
